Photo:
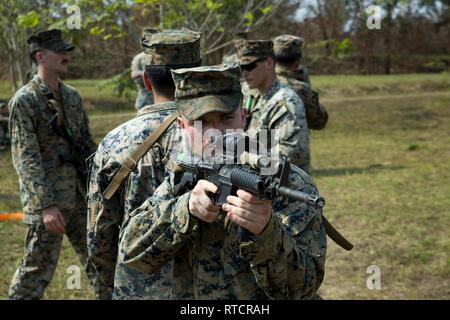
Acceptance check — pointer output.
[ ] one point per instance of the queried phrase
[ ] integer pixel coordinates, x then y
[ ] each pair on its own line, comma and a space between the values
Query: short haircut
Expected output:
161, 78
33, 56
287, 58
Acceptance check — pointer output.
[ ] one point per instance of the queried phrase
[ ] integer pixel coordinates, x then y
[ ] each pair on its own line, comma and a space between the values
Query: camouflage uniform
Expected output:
290, 46
278, 108
168, 47
316, 114
302, 74
230, 59
144, 97
285, 262
47, 177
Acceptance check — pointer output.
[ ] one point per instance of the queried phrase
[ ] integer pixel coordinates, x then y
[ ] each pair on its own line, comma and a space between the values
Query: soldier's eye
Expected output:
227, 117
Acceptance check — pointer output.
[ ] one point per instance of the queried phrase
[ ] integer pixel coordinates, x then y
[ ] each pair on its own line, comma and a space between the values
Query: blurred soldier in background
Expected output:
144, 96
288, 54
231, 57
275, 105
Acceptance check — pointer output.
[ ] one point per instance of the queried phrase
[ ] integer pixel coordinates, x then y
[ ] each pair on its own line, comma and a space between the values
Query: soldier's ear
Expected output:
270, 63
39, 56
147, 82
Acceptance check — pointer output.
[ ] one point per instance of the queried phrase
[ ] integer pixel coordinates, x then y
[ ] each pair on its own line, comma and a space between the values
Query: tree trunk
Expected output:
387, 42
12, 73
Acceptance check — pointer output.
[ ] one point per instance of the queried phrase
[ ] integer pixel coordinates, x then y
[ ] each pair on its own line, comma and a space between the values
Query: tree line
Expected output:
414, 35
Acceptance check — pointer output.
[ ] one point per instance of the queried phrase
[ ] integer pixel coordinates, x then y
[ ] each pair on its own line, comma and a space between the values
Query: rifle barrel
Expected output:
317, 202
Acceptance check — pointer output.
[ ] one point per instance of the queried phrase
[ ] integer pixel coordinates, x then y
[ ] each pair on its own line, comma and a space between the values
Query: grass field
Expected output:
383, 166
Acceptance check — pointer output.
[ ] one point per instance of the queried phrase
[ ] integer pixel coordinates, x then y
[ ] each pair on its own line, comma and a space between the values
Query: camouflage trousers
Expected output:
42, 250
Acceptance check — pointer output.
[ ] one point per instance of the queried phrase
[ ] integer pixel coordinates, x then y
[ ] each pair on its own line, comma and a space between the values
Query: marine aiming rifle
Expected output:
230, 171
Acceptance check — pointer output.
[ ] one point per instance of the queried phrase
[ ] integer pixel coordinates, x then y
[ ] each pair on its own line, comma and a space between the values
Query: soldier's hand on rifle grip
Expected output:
248, 211
200, 204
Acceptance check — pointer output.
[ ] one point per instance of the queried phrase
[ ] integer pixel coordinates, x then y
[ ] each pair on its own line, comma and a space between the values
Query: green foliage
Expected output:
249, 17
412, 147
121, 83
29, 20
266, 10
214, 5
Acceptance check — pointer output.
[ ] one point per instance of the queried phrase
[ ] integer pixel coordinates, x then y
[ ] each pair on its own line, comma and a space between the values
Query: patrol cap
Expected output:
51, 40
288, 47
170, 46
253, 50
206, 89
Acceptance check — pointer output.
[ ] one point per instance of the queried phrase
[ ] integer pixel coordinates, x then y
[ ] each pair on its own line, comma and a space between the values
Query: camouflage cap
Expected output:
171, 47
253, 50
51, 40
201, 90
288, 47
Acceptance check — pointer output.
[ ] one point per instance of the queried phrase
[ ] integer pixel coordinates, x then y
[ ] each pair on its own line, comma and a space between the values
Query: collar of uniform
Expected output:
273, 88
171, 105
46, 90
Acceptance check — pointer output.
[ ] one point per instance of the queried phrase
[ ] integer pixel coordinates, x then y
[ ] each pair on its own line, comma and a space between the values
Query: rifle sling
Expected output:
130, 162
336, 236
62, 122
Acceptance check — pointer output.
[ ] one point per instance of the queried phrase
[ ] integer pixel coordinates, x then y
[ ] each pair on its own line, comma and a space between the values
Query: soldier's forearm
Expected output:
155, 234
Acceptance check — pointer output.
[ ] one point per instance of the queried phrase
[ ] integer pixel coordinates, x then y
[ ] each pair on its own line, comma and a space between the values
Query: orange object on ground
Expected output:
11, 216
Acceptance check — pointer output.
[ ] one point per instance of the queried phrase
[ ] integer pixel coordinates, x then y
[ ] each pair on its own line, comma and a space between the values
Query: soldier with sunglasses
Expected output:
273, 106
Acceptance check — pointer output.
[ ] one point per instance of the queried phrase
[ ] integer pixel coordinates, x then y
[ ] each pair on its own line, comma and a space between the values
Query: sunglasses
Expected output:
253, 65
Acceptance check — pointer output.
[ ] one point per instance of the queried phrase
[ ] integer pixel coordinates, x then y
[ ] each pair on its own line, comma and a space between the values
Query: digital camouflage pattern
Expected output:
42, 250
206, 261
144, 97
302, 74
230, 59
45, 179
316, 114
207, 89
50, 39
288, 46
106, 216
281, 108
252, 50
171, 46
37, 150
285, 262
168, 47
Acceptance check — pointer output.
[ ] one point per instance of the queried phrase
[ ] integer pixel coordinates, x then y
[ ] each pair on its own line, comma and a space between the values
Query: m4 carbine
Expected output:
229, 177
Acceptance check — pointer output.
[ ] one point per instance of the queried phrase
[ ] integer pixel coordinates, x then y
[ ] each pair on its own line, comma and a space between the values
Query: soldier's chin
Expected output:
64, 69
